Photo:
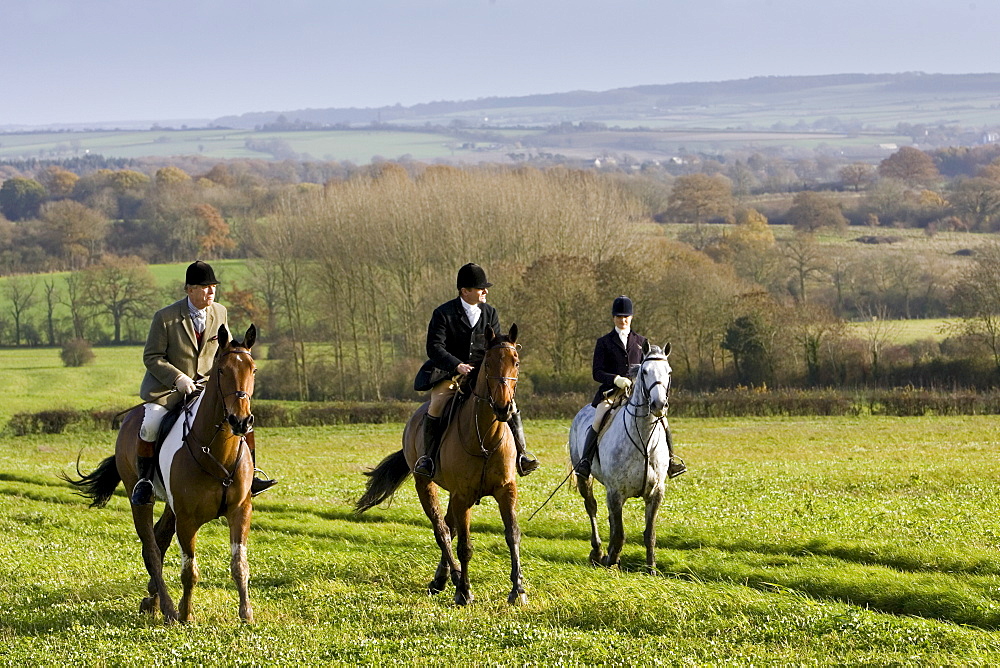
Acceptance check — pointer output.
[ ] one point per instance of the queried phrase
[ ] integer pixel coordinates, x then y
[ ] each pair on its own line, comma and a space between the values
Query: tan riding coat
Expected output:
172, 349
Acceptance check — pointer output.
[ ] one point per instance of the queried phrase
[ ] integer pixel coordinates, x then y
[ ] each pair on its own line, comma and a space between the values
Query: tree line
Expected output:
343, 273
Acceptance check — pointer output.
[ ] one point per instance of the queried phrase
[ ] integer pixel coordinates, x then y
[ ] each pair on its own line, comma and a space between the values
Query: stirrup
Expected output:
142, 493
261, 485
424, 467
526, 465
676, 467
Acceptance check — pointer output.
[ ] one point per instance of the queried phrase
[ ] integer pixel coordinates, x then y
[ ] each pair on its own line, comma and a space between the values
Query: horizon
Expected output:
74, 64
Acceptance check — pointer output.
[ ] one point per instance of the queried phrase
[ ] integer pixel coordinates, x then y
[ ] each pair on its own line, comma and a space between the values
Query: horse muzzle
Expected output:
240, 425
504, 413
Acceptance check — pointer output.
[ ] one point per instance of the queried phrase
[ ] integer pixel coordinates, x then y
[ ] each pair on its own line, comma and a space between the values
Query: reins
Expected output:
480, 437
227, 476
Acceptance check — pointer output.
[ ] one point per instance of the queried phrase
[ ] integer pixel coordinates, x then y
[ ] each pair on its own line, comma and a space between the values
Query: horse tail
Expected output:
99, 485
383, 481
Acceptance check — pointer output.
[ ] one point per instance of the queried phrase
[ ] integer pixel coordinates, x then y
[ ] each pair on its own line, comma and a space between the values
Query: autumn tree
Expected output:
811, 211
75, 232
58, 182
806, 259
911, 166
977, 299
976, 201
700, 198
214, 240
857, 175
559, 290
122, 288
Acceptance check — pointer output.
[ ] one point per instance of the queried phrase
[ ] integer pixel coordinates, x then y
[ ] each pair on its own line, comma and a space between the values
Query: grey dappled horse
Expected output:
633, 455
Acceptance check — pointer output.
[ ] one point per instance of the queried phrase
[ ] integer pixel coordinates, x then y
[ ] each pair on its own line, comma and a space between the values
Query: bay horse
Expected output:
205, 471
633, 455
477, 459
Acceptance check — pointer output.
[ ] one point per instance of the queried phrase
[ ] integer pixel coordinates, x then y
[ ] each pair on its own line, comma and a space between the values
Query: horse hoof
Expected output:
464, 599
248, 617
517, 598
435, 588
149, 605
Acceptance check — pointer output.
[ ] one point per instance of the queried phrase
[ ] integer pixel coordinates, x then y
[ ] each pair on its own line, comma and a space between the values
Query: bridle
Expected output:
646, 391
501, 380
228, 416
227, 476
644, 399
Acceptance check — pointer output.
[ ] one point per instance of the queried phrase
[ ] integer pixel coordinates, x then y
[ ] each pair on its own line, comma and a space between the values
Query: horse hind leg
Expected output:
586, 488
163, 532
189, 569
152, 558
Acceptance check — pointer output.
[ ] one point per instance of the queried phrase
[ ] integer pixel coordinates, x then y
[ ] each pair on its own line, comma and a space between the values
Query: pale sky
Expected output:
79, 61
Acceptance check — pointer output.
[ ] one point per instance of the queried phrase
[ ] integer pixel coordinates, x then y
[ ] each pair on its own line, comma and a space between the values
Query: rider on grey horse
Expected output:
614, 353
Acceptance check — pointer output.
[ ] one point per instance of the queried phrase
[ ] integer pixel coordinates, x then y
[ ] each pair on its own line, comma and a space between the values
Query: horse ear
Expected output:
645, 347
250, 337
666, 350
223, 336
512, 334
490, 334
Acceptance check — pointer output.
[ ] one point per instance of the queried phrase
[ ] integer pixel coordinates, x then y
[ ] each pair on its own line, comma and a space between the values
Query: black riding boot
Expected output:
257, 485
526, 463
676, 465
425, 465
142, 493
589, 450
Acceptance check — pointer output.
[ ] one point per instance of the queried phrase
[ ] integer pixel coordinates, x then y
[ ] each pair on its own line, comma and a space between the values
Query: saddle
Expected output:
455, 403
168, 422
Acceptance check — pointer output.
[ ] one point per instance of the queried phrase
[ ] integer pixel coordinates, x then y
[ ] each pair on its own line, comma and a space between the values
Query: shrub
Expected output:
43, 422
76, 352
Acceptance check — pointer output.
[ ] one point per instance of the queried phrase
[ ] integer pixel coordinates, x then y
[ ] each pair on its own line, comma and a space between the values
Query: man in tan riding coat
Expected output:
456, 345
181, 346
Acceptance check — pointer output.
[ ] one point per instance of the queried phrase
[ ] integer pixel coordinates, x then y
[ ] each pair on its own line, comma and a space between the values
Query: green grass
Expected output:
791, 541
34, 379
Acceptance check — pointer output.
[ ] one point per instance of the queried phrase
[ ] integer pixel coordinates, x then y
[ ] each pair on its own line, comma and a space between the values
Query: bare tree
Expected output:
20, 291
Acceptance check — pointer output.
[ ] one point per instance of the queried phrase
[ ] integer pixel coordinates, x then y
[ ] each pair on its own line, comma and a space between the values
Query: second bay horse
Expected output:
477, 459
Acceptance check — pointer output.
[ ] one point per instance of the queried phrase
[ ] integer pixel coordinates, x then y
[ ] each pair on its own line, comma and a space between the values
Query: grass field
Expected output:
836, 541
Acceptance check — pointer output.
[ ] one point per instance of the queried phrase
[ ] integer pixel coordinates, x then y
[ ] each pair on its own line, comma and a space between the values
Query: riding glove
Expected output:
184, 384
623, 383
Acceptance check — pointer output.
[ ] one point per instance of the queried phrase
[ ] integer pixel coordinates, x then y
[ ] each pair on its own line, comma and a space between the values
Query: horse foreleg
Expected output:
586, 489
189, 567
617, 538
427, 493
649, 535
512, 532
463, 515
164, 534
152, 558
239, 530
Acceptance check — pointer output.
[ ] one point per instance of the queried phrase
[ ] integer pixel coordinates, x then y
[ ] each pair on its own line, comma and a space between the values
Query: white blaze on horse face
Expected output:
654, 377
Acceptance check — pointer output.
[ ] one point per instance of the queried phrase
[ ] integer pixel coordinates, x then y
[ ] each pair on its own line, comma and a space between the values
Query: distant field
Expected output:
344, 146
902, 332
